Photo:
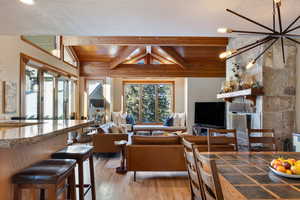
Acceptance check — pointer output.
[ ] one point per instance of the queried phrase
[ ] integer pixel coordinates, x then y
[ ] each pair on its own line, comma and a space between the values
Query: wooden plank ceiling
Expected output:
149, 56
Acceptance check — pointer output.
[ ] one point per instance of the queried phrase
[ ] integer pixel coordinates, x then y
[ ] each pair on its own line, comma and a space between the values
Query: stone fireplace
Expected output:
276, 108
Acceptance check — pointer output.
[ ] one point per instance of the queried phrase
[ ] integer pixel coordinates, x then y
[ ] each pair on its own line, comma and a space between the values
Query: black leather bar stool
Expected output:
53, 176
80, 153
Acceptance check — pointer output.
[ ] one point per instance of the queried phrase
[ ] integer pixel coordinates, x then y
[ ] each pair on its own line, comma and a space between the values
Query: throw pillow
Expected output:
115, 116
114, 129
169, 121
130, 119
176, 120
182, 119
123, 129
123, 117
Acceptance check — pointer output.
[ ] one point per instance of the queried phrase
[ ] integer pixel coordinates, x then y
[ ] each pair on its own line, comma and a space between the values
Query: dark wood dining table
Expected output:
246, 175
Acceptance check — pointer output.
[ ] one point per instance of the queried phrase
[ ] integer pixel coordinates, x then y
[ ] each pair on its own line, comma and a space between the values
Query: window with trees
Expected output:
149, 102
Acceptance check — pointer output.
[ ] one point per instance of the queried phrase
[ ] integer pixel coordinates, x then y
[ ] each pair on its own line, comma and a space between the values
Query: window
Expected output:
48, 43
47, 95
62, 98
95, 97
31, 93
69, 56
149, 102
71, 103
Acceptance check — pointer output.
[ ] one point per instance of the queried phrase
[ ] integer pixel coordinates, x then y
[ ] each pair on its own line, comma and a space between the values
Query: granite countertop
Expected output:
13, 133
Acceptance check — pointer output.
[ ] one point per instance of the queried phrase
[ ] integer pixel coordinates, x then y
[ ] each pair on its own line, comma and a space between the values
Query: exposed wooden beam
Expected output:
122, 56
136, 58
148, 59
212, 69
175, 56
162, 59
142, 41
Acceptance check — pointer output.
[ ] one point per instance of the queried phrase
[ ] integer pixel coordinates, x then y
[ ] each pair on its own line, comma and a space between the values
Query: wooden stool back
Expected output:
209, 176
266, 138
194, 178
225, 140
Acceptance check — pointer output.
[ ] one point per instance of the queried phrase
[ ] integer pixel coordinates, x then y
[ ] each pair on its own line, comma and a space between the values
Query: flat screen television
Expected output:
210, 114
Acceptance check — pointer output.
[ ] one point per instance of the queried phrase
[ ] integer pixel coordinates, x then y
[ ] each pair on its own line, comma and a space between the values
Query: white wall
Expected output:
298, 90
10, 49
200, 90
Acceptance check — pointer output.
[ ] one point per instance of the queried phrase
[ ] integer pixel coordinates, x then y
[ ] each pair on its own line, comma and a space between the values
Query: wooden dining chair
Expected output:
264, 139
207, 169
222, 140
194, 178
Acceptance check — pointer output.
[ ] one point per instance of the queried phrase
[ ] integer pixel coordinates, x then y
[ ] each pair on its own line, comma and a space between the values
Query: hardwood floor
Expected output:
149, 185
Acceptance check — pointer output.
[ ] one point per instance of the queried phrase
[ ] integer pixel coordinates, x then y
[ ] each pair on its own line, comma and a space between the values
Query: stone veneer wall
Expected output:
276, 109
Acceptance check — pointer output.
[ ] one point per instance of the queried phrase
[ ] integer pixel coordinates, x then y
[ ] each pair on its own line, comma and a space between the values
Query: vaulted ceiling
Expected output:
149, 56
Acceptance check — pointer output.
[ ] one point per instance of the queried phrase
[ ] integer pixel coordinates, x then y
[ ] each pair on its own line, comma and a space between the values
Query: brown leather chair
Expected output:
222, 140
207, 170
104, 142
155, 153
194, 178
266, 140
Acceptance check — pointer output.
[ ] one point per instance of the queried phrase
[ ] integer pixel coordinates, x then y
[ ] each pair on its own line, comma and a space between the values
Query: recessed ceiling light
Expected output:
28, 2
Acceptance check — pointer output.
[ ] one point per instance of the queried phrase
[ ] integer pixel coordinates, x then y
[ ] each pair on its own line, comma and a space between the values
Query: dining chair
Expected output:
263, 138
222, 140
207, 169
194, 178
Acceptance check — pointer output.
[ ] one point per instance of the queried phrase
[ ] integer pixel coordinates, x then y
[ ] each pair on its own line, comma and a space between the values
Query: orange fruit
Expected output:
297, 162
292, 161
289, 171
296, 169
281, 169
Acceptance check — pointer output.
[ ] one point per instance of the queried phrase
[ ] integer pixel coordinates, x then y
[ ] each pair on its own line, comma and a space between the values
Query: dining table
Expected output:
246, 175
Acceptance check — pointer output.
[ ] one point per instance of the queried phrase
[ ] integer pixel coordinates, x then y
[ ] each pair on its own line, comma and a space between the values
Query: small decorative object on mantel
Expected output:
271, 35
250, 94
247, 82
238, 73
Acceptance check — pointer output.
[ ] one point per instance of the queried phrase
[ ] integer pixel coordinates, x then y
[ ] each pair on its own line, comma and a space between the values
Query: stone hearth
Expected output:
276, 109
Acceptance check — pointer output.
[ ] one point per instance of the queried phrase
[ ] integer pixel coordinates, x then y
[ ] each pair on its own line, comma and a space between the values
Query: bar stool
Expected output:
80, 153
53, 176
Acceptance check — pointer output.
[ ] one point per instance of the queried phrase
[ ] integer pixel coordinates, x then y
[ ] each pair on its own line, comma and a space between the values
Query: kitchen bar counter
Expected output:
23, 143
13, 133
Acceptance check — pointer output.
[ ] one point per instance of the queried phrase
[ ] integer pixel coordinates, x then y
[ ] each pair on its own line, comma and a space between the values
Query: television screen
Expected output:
210, 114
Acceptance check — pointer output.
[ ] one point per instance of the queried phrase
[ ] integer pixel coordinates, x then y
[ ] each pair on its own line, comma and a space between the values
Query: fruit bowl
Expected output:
283, 174
289, 168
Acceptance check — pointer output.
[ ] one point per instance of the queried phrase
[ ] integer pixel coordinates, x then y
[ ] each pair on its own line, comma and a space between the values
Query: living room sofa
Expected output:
103, 141
159, 153
177, 124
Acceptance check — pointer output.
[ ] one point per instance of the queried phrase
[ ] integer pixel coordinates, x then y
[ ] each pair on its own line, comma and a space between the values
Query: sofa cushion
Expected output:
104, 128
114, 129
179, 119
130, 119
155, 140
169, 121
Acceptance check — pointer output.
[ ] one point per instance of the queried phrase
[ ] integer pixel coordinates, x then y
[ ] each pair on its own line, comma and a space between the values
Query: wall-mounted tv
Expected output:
210, 114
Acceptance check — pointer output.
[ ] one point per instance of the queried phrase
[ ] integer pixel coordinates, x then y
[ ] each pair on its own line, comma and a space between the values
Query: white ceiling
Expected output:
136, 17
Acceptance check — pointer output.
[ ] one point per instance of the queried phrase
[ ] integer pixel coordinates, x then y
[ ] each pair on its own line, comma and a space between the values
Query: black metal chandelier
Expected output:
272, 36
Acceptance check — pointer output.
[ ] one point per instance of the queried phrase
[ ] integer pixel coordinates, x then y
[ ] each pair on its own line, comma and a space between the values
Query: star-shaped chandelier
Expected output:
272, 36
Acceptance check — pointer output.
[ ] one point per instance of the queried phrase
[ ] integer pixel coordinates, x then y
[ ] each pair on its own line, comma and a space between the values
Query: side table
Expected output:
122, 144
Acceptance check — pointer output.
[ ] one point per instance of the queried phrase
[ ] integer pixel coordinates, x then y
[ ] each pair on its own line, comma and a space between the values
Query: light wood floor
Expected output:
149, 185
